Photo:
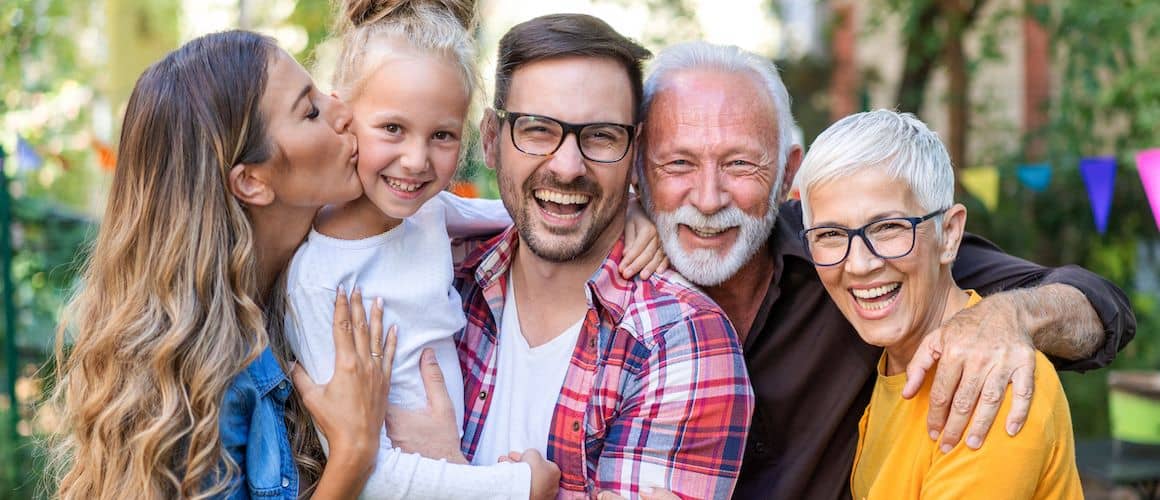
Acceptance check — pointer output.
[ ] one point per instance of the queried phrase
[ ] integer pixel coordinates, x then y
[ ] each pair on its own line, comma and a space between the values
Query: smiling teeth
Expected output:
403, 186
874, 293
707, 232
561, 198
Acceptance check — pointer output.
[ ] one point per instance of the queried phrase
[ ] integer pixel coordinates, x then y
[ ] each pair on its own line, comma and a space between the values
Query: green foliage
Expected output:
45, 98
314, 16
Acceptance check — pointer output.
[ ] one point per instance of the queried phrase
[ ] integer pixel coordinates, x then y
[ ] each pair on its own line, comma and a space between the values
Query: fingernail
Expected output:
1013, 429
946, 448
379, 301
974, 442
934, 435
341, 289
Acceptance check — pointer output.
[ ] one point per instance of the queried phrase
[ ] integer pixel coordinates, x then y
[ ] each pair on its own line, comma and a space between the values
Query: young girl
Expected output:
407, 70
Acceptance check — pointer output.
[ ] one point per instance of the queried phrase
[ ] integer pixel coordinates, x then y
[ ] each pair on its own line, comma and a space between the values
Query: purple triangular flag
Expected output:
1099, 174
26, 156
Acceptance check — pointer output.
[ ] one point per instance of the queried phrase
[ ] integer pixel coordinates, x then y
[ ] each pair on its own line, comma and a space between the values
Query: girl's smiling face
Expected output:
409, 119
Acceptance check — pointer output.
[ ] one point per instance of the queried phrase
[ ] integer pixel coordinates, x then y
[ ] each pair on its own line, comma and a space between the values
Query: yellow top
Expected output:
896, 459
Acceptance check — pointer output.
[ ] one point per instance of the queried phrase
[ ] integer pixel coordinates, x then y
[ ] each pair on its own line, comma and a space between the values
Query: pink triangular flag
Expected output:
1148, 163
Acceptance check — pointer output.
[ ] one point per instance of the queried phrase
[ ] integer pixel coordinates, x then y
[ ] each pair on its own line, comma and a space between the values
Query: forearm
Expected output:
1059, 318
401, 475
344, 477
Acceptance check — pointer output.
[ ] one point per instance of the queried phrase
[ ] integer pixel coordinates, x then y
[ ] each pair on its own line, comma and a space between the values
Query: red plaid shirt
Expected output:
656, 393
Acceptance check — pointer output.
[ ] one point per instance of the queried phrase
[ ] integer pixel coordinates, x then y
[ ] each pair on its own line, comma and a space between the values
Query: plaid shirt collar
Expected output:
607, 290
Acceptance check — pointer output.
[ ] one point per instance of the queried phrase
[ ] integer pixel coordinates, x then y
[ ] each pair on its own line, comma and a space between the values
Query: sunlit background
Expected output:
1045, 106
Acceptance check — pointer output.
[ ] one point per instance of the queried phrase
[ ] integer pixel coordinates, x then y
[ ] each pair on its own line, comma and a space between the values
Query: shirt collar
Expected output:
265, 371
606, 288
785, 239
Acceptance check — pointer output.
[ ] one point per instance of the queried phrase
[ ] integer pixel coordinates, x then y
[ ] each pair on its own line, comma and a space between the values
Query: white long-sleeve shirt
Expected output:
410, 268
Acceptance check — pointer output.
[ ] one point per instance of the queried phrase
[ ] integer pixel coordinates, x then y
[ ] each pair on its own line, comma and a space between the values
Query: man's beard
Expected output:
704, 266
551, 244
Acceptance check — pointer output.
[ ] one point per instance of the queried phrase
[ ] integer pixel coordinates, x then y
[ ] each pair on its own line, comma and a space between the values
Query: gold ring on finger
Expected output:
376, 355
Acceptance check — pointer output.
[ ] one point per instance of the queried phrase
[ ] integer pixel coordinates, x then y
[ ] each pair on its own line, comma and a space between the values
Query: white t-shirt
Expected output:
409, 267
528, 381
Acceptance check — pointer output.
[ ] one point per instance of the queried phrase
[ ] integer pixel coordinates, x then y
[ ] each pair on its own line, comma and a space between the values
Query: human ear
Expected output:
954, 223
489, 131
792, 162
249, 185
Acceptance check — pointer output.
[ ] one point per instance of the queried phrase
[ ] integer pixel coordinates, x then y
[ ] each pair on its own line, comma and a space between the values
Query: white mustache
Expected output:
729, 217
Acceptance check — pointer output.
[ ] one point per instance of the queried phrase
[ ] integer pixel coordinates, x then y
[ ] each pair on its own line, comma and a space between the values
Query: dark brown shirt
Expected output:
813, 375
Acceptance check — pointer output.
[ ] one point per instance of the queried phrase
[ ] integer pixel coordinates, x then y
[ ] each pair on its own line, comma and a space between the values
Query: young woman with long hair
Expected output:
172, 370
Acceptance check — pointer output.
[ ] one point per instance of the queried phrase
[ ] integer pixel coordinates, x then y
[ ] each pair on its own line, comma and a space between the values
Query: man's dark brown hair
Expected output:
564, 35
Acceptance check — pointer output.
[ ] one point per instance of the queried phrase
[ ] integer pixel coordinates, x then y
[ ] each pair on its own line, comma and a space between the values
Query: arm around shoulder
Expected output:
1078, 318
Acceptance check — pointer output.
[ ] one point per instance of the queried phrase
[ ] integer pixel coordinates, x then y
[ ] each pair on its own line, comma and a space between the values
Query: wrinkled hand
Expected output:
349, 409
978, 351
642, 245
545, 474
645, 494
432, 432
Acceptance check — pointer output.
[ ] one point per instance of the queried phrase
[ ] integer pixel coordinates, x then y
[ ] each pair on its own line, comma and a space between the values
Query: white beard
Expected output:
707, 267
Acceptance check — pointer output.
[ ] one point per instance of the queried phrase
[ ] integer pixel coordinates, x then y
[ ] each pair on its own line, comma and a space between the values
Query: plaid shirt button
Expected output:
482, 395
576, 426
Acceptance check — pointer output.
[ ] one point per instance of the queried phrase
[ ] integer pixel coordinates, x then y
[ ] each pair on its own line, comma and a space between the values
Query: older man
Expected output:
715, 159
625, 384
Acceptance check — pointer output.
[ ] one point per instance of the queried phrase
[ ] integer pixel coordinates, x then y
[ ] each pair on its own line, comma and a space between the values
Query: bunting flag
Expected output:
26, 157
464, 189
1148, 163
982, 183
106, 157
1099, 175
1035, 176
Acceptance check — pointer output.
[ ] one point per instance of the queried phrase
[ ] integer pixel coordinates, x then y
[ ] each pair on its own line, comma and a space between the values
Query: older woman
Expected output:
882, 229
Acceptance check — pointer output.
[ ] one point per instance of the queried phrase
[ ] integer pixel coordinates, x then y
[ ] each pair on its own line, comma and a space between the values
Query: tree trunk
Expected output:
958, 115
923, 46
959, 15
139, 33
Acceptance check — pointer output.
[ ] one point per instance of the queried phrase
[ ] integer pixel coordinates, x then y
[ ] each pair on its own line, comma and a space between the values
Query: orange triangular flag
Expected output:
106, 157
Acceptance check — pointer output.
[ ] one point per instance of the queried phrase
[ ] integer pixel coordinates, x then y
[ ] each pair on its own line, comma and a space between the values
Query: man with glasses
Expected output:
716, 156
624, 384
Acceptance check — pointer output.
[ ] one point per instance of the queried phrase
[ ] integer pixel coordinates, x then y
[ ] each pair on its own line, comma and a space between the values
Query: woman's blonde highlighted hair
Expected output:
169, 310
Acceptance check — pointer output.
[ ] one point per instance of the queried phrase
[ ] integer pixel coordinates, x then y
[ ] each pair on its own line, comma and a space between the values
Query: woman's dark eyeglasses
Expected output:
889, 238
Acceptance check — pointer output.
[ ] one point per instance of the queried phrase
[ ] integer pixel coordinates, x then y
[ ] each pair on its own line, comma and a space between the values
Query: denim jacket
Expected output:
253, 432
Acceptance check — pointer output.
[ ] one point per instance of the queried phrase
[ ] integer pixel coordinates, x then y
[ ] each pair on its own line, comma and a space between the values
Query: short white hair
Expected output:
700, 55
898, 144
